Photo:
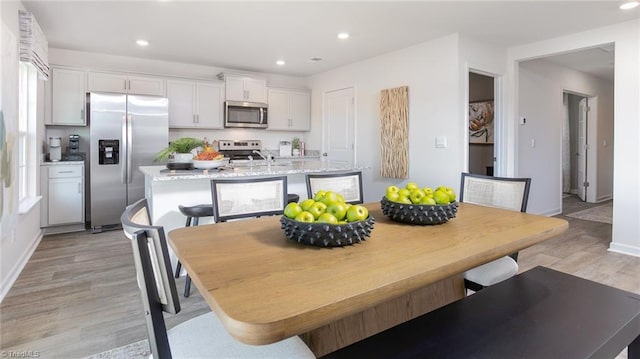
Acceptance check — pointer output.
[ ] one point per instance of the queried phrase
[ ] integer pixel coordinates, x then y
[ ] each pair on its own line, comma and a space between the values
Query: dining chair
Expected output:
200, 337
349, 185
252, 197
500, 192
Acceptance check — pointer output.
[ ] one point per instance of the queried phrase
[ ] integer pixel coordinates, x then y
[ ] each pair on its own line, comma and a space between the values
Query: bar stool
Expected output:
193, 214
292, 197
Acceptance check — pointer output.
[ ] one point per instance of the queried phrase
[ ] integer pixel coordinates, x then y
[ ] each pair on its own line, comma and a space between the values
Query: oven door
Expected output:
245, 114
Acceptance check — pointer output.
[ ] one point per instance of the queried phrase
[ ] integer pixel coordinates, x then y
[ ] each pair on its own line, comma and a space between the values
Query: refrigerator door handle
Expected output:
129, 150
123, 148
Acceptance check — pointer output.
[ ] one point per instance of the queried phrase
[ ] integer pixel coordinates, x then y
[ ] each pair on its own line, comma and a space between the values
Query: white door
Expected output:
582, 148
339, 121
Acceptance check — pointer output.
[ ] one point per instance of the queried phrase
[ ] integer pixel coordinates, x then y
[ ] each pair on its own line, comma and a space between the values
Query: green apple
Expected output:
441, 197
329, 198
317, 209
339, 210
392, 189
327, 218
306, 204
442, 188
404, 199
416, 196
411, 186
428, 201
404, 192
319, 195
340, 198
393, 197
428, 191
292, 210
357, 213
451, 193
305, 216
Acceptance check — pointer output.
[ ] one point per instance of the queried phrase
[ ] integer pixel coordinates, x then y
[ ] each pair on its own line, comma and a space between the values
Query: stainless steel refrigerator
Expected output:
126, 133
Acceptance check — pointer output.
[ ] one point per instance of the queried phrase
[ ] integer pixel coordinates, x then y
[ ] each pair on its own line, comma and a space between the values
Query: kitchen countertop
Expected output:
160, 173
54, 163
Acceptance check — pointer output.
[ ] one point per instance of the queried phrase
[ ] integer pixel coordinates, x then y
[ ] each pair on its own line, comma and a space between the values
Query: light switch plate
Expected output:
441, 142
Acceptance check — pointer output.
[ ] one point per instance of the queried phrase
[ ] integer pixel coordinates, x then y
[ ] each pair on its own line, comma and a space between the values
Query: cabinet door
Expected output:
210, 99
278, 115
65, 200
235, 88
68, 97
181, 95
300, 111
256, 90
106, 82
144, 85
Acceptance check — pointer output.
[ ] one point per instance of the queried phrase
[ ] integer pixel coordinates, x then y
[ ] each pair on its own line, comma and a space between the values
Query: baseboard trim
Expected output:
6, 285
624, 249
604, 198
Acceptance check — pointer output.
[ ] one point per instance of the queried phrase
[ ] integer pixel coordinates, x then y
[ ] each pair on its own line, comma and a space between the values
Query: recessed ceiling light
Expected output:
315, 59
343, 35
629, 5
280, 62
142, 42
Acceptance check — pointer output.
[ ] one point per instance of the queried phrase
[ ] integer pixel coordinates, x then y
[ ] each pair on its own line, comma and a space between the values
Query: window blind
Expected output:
33, 44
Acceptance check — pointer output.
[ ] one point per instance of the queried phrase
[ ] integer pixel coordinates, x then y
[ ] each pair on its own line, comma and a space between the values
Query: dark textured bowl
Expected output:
327, 235
418, 214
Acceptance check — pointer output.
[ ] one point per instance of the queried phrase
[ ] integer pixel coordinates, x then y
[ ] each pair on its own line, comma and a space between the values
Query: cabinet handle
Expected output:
79, 187
82, 113
125, 85
65, 171
198, 118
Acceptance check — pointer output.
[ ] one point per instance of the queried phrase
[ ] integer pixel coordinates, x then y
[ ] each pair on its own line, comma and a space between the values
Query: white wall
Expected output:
430, 71
17, 245
626, 158
96, 61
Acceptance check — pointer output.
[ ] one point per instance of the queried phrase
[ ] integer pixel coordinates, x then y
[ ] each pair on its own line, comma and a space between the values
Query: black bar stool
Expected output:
193, 214
292, 197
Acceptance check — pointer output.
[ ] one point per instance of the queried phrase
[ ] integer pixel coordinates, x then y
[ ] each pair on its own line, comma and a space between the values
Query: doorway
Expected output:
574, 145
481, 123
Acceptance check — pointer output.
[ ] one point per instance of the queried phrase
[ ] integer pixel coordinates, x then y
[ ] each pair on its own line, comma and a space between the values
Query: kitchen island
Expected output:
166, 189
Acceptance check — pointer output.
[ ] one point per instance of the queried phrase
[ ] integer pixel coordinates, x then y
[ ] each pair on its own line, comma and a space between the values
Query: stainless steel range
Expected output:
241, 151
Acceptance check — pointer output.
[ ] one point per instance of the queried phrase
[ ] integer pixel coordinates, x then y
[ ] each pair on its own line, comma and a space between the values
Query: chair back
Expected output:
236, 198
153, 272
349, 185
499, 192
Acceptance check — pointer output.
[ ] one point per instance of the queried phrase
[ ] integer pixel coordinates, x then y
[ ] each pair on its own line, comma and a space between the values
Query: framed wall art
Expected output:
481, 122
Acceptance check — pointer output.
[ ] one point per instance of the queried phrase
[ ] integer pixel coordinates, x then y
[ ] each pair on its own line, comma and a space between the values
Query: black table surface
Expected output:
541, 313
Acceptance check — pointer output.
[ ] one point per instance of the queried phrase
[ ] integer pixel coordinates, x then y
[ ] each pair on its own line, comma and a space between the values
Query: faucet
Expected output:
266, 158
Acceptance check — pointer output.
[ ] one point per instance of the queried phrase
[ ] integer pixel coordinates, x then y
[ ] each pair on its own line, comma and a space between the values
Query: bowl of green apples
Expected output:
326, 220
419, 206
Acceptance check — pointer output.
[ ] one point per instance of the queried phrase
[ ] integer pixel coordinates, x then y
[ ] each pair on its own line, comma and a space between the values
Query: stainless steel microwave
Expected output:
245, 114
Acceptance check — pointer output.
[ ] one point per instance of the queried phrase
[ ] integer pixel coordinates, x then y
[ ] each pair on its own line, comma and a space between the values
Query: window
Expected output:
27, 112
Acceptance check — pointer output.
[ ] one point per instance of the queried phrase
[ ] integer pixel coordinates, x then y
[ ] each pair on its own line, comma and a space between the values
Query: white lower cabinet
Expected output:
63, 194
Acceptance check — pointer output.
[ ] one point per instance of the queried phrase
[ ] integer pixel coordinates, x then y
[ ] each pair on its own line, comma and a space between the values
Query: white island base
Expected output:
166, 190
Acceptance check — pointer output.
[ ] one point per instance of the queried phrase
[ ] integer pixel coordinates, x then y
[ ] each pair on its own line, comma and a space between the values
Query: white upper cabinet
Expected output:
239, 88
68, 97
289, 110
129, 84
194, 104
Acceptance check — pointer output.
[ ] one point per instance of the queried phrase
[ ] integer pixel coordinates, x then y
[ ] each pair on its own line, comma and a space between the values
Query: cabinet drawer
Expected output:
65, 171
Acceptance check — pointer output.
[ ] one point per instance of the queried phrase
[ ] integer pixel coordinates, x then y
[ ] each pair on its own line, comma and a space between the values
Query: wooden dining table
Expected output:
264, 287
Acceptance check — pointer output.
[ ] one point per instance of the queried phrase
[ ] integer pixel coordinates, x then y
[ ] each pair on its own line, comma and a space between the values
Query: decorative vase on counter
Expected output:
296, 152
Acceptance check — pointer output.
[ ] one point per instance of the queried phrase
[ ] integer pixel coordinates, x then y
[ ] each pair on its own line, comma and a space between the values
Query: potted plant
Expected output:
180, 149
295, 146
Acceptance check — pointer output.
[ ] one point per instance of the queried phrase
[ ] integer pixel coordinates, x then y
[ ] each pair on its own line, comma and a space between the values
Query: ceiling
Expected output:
251, 36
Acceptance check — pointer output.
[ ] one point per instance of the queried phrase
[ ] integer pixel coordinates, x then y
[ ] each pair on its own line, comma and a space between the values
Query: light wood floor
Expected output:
77, 296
